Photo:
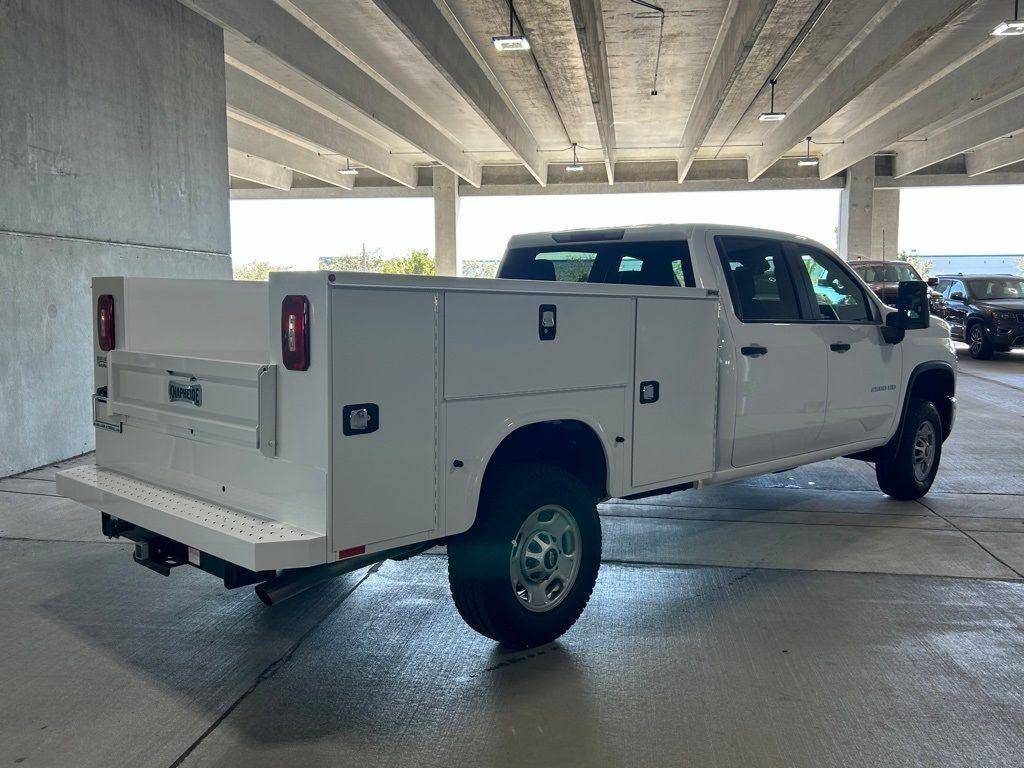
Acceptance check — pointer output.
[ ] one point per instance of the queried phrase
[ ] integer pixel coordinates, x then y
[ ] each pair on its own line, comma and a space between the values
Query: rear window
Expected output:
647, 263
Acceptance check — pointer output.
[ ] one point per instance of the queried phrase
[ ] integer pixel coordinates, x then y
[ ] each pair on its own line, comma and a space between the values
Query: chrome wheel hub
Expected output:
545, 558
924, 450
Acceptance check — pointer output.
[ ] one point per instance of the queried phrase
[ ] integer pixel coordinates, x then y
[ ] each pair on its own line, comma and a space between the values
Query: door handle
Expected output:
839, 347
754, 350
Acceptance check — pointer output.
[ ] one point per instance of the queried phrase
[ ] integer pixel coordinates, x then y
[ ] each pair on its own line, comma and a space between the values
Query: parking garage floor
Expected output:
798, 619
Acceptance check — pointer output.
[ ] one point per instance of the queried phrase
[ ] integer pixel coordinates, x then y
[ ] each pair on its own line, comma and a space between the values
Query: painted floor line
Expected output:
990, 553
780, 522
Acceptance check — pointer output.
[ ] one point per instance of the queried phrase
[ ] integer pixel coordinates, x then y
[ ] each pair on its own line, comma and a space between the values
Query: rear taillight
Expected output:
105, 322
295, 333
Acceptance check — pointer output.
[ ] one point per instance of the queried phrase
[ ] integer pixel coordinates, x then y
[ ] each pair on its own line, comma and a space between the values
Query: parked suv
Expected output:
883, 277
986, 311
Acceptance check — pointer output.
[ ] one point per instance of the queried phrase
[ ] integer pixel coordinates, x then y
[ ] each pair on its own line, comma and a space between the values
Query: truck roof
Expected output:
642, 232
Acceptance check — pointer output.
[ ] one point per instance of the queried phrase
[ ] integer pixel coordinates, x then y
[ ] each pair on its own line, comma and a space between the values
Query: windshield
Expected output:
997, 288
886, 273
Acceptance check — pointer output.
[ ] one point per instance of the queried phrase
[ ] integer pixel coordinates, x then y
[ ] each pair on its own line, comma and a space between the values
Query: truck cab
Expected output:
804, 367
280, 434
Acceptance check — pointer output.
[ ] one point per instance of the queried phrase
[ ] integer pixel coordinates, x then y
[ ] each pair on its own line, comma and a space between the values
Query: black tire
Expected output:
896, 473
978, 343
480, 560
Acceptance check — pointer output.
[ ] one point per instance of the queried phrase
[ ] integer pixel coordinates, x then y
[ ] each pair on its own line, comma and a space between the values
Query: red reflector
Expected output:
295, 333
105, 322
352, 551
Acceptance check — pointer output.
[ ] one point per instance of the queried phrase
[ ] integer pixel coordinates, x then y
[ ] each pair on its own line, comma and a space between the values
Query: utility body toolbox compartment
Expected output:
211, 435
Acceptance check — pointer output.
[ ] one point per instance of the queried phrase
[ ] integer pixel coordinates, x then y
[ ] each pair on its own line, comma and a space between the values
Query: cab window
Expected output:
628, 263
759, 281
837, 296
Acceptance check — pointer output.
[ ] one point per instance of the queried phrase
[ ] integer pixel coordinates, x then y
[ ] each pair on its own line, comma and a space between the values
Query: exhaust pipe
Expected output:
295, 581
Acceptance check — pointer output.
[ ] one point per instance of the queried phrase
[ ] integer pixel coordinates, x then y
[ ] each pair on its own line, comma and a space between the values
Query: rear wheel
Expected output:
908, 471
979, 343
525, 571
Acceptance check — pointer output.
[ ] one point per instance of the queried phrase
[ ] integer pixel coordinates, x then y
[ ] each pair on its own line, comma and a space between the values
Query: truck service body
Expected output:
280, 433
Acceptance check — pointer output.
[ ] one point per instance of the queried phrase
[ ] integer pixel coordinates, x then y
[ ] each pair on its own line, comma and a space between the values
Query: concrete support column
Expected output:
115, 162
885, 224
855, 210
446, 219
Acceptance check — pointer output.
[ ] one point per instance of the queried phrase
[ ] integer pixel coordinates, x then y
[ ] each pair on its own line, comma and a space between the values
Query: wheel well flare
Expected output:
569, 445
937, 385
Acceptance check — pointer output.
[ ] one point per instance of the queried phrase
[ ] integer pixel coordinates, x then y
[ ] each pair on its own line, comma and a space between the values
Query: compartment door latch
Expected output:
547, 322
360, 419
649, 392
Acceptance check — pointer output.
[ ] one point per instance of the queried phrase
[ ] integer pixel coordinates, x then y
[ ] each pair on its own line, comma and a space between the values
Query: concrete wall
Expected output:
113, 160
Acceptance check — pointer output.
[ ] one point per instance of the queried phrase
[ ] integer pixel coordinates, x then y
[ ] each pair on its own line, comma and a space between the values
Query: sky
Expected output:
295, 233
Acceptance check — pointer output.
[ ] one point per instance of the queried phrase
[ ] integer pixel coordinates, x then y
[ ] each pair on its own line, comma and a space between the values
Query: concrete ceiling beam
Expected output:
741, 26
252, 140
295, 43
987, 73
429, 30
983, 126
589, 23
998, 154
253, 100
258, 170
897, 30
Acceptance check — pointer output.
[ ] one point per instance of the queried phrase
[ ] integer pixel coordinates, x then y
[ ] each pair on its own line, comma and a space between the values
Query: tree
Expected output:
416, 262
1020, 265
479, 268
256, 270
923, 266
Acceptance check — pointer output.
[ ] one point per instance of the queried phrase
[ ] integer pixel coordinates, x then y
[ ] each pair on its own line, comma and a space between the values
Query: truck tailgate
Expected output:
217, 401
246, 540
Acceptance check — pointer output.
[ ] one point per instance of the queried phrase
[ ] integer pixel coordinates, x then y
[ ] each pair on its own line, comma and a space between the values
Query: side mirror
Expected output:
912, 305
957, 296
933, 281
911, 311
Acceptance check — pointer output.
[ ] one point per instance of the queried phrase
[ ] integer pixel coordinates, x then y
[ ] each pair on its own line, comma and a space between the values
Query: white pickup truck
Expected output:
280, 434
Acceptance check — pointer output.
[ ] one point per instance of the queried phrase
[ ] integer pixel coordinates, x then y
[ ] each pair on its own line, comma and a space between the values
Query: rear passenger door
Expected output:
780, 364
863, 370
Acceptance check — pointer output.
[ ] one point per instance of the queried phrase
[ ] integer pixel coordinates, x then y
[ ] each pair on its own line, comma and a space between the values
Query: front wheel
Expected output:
979, 343
909, 469
525, 571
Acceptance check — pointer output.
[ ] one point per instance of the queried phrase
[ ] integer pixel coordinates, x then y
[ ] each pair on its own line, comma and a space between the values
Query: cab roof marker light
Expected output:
771, 116
1011, 27
511, 41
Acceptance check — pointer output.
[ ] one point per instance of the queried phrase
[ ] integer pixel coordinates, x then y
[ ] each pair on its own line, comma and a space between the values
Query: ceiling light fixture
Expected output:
771, 116
807, 160
348, 170
511, 41
1013, 27
576, 166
